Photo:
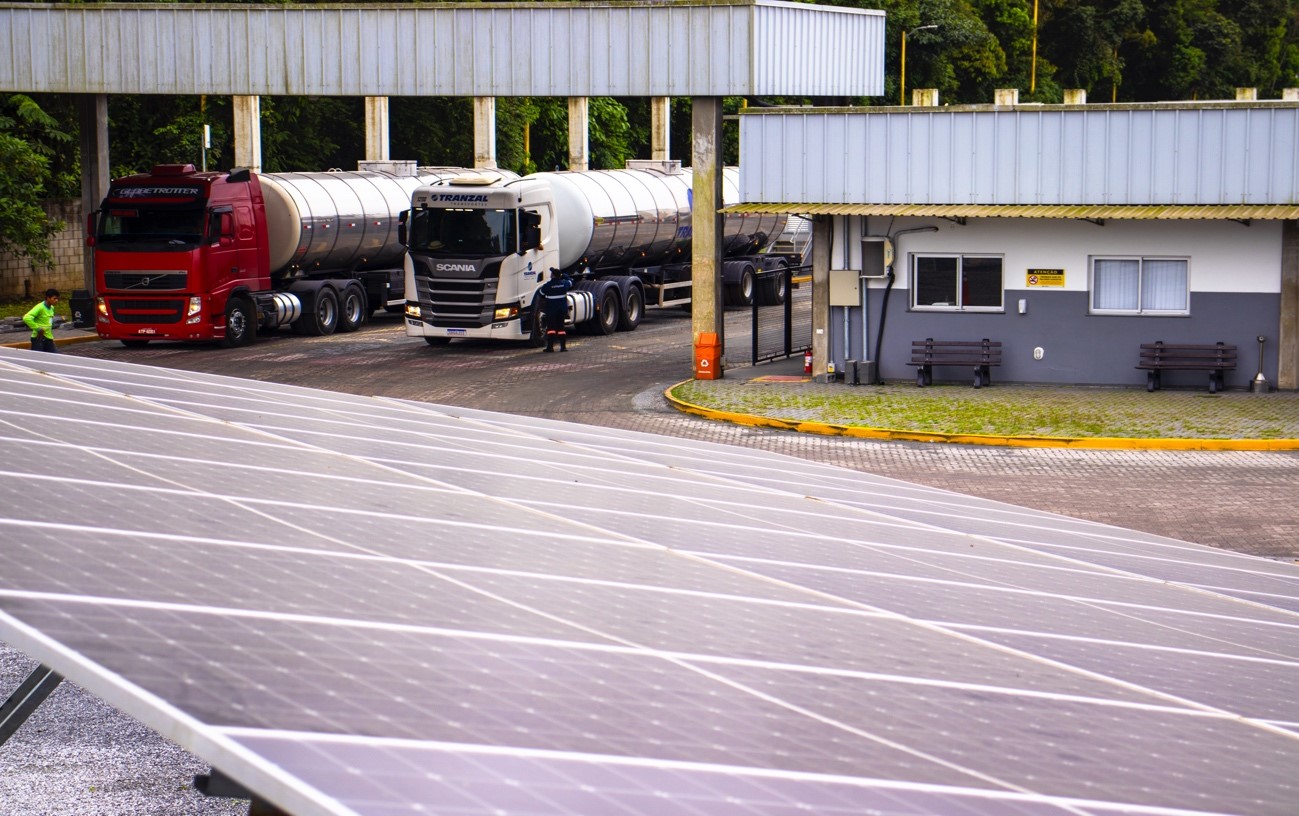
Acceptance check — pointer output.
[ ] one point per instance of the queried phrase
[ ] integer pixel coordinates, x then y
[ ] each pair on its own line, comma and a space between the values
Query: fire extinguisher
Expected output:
807, 362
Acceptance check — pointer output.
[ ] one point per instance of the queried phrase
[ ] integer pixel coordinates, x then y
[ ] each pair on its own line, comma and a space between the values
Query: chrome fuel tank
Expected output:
625, 218
340, 220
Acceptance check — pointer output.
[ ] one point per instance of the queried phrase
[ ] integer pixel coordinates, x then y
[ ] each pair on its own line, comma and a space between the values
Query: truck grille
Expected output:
152, 281
147, 311
457, 304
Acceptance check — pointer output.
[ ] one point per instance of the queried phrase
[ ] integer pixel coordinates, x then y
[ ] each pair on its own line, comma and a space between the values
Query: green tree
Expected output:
29, 138
25, 229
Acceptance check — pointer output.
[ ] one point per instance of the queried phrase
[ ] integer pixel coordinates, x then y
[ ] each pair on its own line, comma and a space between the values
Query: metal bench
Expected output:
1159, 356
981, 354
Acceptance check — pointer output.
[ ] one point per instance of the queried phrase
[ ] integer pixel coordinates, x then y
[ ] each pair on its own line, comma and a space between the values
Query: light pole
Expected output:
902, 84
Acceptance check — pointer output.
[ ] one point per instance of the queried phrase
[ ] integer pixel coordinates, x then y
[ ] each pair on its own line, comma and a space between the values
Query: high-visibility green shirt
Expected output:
40, 319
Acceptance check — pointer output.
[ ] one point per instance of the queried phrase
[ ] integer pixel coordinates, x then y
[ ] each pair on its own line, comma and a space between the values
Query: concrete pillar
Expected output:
376, 128
821, 247
248, 132
660, 128
1005, 96
92, 113
484, 131
1290, 94
1075, 96
579, 133
1246, 94
925, 97
706, 222
1287, 363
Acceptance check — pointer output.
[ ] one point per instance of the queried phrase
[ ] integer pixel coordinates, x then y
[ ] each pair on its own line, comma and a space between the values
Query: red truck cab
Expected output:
179, 255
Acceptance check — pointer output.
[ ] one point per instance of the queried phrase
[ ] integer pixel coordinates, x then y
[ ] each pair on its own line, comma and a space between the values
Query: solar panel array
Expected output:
369, 606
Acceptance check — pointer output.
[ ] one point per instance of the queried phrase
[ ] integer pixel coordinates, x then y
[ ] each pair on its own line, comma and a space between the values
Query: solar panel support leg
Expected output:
26, 699
217, 784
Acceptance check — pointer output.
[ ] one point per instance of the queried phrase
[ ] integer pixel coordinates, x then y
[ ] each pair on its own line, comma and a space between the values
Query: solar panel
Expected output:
369, 606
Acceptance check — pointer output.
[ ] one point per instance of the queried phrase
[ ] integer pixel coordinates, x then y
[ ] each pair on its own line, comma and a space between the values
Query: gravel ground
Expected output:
78, 756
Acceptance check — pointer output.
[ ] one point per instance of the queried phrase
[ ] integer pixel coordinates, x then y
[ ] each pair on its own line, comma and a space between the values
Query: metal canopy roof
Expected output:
366, 606
1089, 212
613, 48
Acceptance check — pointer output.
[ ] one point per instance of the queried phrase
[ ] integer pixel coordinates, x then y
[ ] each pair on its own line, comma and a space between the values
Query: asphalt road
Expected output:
1244, 501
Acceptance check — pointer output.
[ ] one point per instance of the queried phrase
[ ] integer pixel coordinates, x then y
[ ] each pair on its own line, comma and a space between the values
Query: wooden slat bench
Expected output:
981, 354
1159, 356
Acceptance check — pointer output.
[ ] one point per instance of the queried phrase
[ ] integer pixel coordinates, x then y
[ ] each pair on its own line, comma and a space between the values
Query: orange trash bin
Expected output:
708, 357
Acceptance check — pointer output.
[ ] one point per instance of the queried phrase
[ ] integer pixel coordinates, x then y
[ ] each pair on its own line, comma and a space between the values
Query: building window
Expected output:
957, 283
1140, 286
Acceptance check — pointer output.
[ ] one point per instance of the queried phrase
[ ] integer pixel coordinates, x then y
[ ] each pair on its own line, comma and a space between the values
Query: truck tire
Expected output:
241, 323
607, 310
633, 310
741, 294
774, 290
537, 332
352, 308
319, 313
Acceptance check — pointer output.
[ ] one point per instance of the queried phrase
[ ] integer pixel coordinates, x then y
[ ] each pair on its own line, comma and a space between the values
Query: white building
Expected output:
1071, 233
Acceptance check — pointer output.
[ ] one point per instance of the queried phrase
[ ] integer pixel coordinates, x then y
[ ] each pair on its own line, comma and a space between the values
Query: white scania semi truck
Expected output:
478, 249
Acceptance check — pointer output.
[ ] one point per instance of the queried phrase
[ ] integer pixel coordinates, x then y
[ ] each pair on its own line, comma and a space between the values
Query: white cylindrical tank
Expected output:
623, 218
341, 220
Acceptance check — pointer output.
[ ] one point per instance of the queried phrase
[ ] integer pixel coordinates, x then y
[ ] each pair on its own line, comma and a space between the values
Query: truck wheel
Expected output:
135, 343
319, 313
241, 328
607, 312
773, 290
537, 335
352, 309
744, 290
633, 310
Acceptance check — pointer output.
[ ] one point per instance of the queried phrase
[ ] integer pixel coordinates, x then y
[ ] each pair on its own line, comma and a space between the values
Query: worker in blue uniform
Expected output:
554, 305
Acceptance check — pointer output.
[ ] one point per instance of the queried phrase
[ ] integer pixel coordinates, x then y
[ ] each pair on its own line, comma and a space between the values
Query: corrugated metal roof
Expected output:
1092, 212
607, 48
1134, 156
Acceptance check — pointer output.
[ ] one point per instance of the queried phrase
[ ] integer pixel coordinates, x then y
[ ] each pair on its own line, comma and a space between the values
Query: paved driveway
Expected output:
1244, 501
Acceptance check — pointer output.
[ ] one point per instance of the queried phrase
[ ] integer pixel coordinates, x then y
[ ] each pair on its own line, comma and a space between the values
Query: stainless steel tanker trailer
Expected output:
188, 255
478, 249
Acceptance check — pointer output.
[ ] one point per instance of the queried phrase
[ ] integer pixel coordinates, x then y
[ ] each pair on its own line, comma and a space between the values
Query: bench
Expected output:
1159, 356
981, 354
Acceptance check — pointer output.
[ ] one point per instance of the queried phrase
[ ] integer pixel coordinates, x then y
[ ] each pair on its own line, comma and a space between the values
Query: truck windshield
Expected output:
463, 232
159, 229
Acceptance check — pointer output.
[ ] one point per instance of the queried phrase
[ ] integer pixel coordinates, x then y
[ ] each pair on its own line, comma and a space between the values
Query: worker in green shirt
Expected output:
41, 321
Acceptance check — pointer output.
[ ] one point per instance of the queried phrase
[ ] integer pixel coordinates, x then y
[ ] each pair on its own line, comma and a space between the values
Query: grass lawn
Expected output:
18, 308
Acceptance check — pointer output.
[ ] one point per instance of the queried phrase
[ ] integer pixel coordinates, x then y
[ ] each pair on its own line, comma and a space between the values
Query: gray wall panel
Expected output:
1085, 349
712, 48
1183, 154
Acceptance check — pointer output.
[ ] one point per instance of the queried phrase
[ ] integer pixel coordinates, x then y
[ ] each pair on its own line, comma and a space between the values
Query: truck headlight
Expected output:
101, 307
195, 306
412, 309
506, 313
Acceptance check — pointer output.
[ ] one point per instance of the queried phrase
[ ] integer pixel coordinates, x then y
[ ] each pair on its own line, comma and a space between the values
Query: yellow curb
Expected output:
58, 341
1082, 443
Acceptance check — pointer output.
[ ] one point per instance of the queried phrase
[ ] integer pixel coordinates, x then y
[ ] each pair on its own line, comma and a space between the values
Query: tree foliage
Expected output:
1122, 50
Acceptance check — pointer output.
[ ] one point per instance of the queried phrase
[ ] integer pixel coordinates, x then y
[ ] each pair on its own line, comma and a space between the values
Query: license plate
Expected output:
147, 331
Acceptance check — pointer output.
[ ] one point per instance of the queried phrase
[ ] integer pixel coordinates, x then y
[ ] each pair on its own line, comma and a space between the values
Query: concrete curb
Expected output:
1081, 443
58, 341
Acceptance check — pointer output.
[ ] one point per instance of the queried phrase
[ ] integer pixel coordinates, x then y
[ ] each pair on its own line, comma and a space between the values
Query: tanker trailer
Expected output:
478, 250
202, 256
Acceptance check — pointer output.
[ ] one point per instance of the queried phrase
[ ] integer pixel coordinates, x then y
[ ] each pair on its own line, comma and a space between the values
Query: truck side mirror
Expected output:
401, 226
90, 228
